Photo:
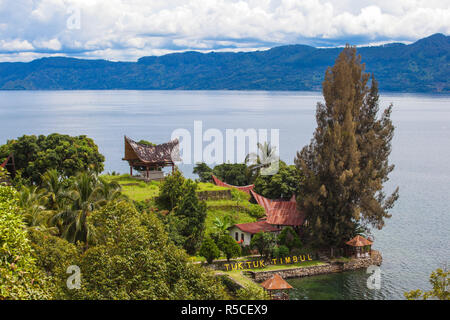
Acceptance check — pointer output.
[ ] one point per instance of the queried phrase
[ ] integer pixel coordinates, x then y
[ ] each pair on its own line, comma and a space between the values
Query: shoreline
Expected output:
257, 277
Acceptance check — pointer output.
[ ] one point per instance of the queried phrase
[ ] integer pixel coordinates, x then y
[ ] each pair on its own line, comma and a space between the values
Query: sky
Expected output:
125, 30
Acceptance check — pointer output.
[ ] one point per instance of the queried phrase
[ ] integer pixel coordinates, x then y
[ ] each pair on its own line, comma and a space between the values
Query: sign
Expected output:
254, 264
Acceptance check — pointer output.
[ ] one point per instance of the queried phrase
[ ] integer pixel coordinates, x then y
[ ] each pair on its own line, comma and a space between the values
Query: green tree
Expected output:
229, 247
171, 191
209, 250
191, 215
440, 282
203, 171
134, 259
264, 242
282, 184
19, 276
289, 238
33, 155
236, 174
346, 163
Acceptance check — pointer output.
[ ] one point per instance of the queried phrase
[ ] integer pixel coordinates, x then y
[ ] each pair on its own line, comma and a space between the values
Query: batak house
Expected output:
279, 214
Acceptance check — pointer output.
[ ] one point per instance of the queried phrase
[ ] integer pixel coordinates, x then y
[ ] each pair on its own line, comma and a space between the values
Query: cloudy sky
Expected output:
129, 29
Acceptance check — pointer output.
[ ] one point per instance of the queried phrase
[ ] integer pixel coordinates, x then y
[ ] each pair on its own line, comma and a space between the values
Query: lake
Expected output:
414, 242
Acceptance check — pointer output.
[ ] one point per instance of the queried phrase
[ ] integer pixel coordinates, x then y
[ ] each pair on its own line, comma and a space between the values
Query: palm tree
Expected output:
108, 191
35, 214
264, 162
83, 200
54, 187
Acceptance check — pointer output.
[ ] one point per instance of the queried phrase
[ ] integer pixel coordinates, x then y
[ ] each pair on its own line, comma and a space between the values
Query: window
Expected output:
242, 237
236, 236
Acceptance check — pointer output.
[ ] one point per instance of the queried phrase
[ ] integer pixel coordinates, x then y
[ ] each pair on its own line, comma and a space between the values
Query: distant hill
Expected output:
422, 66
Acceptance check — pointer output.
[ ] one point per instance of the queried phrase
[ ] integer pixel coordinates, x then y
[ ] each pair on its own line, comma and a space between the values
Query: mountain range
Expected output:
422, 66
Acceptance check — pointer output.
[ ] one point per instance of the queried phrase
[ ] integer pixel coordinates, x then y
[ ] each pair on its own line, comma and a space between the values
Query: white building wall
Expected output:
247, 236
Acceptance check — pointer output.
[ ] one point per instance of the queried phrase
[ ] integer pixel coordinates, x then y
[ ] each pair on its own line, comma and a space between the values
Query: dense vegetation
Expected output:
280, 185
419, 67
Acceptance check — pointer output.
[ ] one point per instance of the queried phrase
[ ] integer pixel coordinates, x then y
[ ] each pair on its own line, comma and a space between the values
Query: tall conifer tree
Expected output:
346, 163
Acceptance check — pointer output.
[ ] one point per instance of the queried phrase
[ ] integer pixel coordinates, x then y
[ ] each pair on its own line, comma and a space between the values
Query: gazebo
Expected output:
277, 287
359, 243
151, 157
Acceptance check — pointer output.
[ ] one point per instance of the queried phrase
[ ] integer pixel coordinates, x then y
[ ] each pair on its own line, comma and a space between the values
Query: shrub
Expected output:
229, 247
280, 251
263, 242
256, 211
289, 238
209, 250
251, 292
19, 275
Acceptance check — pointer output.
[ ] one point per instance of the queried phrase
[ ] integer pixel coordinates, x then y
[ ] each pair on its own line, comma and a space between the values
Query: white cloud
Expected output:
15, 45
128, 29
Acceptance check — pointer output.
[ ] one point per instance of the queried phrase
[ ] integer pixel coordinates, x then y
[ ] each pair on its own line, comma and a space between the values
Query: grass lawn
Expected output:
139, 190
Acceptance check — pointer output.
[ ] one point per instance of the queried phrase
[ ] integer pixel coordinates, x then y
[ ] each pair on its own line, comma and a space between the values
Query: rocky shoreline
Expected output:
329, 267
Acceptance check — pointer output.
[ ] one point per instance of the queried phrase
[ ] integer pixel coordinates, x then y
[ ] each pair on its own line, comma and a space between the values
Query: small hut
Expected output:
361, 247
151, 158
277, 287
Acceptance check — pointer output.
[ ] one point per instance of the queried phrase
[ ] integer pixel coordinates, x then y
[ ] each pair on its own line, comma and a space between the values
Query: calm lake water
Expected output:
414, 242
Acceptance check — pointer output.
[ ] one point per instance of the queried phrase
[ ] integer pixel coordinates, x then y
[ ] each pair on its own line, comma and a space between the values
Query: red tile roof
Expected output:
224, 184
280, 212
255, 227
276, 283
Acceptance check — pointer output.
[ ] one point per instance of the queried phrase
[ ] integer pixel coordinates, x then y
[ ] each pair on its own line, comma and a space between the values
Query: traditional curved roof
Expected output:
359, 241
255, 227
224, 184
276, 283
280, 212
162, 153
